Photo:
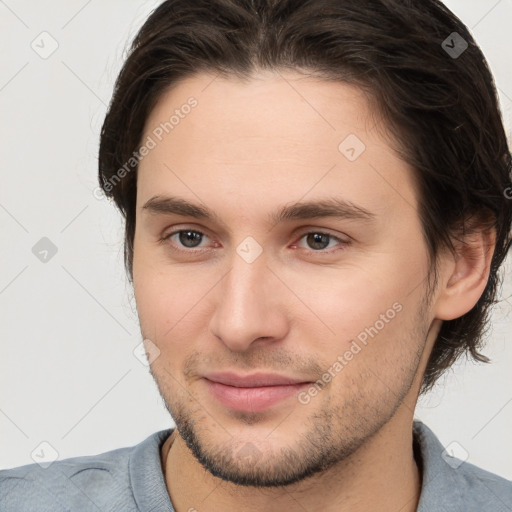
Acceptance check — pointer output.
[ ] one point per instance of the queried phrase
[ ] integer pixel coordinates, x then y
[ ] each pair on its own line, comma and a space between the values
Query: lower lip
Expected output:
252, 399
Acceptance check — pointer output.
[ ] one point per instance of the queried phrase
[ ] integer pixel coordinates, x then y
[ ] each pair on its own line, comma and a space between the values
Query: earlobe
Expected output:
466, 274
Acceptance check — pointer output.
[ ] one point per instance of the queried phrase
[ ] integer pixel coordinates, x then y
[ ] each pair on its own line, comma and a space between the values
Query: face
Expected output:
288, 307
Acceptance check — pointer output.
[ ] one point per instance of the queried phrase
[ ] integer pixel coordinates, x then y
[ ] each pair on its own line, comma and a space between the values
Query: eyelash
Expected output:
189, 250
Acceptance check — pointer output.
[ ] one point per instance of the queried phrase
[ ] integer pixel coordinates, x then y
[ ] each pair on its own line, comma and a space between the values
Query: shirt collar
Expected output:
441, 477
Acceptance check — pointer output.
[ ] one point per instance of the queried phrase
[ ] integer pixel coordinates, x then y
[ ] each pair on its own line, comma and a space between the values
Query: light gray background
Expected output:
68, 327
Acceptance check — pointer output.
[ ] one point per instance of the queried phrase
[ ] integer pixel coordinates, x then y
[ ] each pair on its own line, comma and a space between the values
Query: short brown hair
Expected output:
440, 107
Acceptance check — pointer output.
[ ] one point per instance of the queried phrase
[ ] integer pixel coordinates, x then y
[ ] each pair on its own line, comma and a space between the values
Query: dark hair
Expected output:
439, 106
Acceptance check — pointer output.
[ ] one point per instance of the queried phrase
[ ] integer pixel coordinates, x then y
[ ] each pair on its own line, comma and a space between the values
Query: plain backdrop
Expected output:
68, 376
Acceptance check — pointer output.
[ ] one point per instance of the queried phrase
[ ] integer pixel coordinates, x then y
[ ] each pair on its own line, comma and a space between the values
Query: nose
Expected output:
250, 305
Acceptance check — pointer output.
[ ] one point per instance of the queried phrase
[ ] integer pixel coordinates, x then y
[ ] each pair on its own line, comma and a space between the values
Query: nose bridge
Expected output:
246, 307
244, 287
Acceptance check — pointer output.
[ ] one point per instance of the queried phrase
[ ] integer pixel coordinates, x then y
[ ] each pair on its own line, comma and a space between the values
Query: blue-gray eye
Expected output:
318, 240
190, 238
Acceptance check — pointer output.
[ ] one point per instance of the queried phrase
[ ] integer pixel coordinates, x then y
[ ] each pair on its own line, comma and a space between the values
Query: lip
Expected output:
252, 393
252, 381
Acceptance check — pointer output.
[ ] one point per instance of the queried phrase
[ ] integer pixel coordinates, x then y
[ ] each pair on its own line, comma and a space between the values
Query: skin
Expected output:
247, 149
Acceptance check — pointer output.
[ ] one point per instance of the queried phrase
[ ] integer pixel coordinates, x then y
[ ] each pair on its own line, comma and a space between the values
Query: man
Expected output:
317, 208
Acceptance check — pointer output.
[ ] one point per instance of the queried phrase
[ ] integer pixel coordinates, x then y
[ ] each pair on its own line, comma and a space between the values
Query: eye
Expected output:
318, 241
187, 238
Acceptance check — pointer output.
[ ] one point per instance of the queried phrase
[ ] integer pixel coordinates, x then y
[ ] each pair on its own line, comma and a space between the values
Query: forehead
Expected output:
284, 109
275, 132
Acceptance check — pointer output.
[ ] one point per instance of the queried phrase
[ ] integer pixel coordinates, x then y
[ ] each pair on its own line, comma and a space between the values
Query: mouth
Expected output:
252, 393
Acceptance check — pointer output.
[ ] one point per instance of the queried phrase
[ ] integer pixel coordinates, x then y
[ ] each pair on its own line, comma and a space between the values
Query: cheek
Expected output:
365, 316
170, 303
164, 303
342, 302
374, 364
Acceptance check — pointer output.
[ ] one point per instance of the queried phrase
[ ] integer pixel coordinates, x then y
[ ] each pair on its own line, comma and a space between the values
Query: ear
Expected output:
465, 272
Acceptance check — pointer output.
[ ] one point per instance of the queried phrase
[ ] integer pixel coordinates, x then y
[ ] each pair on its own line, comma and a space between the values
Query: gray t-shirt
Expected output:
131, 480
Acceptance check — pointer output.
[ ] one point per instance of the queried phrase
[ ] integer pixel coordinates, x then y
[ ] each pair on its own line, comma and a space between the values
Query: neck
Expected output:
381, 475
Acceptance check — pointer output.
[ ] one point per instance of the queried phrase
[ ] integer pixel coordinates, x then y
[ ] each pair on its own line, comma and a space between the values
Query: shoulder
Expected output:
80, 482
479, 482
455, 484
93, 482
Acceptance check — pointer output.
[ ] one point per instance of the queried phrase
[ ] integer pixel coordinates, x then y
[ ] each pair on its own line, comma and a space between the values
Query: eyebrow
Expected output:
329, 207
